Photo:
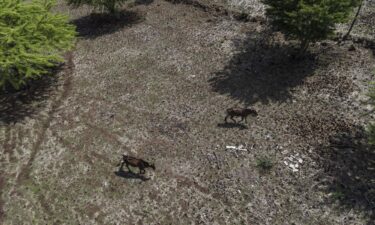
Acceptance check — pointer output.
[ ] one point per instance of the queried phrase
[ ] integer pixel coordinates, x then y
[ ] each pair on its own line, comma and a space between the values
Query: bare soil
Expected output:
155, 84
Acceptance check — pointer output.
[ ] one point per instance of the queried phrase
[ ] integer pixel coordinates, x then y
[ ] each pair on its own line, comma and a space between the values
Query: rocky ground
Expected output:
156, 85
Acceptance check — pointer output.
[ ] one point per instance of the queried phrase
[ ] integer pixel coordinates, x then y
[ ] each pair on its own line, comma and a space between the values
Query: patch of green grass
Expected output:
265, 163
32, 186
338, 194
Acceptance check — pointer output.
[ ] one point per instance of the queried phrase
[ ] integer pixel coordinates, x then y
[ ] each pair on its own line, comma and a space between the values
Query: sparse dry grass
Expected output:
157, 88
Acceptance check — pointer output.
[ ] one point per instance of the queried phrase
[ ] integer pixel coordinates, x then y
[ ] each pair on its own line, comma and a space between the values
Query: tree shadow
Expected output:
143, 2
98, 24
17, 105
130, 175
263, 71
349, 170
232, 125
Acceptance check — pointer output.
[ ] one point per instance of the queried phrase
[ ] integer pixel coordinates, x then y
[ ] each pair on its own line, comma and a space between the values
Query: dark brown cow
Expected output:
240, 112
140, 163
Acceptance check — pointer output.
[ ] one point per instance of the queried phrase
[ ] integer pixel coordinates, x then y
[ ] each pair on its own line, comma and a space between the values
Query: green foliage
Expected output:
31, 40
308, 20
110, 6
338, 195
264, 163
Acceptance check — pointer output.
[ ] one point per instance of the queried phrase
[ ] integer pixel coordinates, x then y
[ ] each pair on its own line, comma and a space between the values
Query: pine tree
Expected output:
32, 39
308, 20
354, 20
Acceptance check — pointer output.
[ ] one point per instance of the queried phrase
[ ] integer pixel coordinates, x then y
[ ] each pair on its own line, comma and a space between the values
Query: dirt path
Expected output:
156, 86
24, 172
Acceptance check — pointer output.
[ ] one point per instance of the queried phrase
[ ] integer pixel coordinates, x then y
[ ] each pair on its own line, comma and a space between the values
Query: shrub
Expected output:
110, 6
338, 195
264, 163
308, 20
31, 40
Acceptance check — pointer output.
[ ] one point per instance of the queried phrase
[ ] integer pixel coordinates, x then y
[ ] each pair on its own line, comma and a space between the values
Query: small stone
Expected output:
284, 152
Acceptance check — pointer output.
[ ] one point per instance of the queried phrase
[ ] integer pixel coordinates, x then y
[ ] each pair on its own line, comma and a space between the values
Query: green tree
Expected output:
308, 20
32, 40
354, 20
110, 6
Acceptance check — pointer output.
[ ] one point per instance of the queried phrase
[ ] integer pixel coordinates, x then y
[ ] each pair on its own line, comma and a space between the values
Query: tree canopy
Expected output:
308, 20
32, 39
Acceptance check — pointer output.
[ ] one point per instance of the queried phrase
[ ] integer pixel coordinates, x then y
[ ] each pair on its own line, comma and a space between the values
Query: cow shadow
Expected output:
130, 175
232, 125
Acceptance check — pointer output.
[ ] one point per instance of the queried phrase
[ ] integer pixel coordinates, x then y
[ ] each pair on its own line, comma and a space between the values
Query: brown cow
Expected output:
140, 163
240, 112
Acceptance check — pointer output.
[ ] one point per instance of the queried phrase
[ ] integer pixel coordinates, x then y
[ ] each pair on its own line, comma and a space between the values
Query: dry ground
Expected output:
156, 85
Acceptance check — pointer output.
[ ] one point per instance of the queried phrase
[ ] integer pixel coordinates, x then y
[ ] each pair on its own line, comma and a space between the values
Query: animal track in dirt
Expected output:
2, 183
69, 69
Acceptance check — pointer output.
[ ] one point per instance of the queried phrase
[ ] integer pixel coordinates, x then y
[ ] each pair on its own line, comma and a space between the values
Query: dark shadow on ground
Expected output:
143, 2
16, 105
264, 71
130, 175
232, 125
96, 25
349, 169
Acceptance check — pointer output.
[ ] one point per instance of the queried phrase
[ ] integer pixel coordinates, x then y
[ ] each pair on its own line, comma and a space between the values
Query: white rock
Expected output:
284, 152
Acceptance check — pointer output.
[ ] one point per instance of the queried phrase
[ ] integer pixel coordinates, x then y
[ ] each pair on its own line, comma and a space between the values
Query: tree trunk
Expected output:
304, 46
353, 22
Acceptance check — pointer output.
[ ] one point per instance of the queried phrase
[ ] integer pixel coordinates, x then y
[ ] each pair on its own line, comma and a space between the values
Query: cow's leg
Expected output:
127, 166
226, 119
122, 166
233, 119
242, 118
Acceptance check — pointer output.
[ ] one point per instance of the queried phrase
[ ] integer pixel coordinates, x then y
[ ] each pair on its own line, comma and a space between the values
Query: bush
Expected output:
31, 40
110, 6
308, 20
264, 163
